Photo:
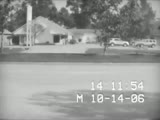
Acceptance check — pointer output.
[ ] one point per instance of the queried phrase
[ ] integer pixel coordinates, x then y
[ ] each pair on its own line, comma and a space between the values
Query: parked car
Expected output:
146, 42
118, 41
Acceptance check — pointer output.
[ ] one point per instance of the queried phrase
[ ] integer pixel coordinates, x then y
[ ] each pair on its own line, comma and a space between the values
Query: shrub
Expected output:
72, 41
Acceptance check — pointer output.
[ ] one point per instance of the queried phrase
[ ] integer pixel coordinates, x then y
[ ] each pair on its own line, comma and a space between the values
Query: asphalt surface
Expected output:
47, 91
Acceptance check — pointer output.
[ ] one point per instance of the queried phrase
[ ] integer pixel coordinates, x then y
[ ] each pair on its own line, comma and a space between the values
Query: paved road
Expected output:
48, 90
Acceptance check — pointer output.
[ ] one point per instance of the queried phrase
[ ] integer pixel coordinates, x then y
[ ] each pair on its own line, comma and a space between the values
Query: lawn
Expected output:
80, 49
90, 53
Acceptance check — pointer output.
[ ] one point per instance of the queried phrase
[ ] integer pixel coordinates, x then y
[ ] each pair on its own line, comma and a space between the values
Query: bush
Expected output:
72, 41
47, 43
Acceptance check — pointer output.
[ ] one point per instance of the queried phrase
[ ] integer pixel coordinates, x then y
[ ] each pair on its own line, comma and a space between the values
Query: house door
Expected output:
56, 39
15, 40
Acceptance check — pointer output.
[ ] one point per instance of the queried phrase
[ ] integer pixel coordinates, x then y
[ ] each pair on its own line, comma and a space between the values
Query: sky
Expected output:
154, 3
60, 3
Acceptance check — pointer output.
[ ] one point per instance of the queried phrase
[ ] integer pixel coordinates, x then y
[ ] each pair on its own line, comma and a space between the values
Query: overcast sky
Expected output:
60, 3
154, 3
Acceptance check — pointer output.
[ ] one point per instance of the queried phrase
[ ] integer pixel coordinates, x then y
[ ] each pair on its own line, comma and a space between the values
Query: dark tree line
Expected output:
106, 15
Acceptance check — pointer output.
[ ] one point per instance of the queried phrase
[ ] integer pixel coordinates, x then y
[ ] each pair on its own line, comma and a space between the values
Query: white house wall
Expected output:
6, 41
45, 37
89, 38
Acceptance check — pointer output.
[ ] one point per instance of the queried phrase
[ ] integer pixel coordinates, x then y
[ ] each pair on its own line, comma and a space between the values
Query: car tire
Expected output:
152, 46
125, 45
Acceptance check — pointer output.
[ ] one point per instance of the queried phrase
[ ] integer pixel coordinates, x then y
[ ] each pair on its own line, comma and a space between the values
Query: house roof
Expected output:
46, 24
6, 32
83, 31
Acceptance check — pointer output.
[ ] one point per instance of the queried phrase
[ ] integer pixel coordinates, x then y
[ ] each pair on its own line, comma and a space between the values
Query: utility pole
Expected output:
29, 26
1, 50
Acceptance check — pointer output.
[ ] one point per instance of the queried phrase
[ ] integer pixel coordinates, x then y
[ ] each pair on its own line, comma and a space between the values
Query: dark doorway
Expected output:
56, 39
15, 40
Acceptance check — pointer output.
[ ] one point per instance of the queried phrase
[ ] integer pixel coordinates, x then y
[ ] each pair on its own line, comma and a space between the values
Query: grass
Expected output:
80, 53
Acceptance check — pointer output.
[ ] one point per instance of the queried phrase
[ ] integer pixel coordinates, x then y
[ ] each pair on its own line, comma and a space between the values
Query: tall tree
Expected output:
5, 11
81, 19
18, 18
135, 16
65, 18
41, 7
100, 13
131, 20
148, 17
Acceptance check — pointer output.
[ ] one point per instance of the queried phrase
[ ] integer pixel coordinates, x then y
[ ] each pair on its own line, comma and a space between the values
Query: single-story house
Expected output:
85, 35
7, 40
43, 31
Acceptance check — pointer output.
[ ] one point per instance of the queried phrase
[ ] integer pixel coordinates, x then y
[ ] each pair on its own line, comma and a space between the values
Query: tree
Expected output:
5, 11
131, 19
65, 18
54, 15
18, 18
148, 17
41, 7
136, 17
81, 19
102, 14
44, 8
